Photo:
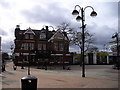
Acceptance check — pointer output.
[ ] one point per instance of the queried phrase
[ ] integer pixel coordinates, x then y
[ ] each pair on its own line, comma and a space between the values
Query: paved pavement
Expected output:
97, 76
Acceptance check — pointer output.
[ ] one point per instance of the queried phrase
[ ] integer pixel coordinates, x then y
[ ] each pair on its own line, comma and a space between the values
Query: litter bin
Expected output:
29, 83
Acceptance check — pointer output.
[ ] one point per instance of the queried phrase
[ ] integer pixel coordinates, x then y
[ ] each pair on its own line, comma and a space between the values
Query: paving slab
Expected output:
97, 76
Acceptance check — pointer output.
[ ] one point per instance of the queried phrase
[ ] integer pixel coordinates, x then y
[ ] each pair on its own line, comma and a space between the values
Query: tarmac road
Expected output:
97, 76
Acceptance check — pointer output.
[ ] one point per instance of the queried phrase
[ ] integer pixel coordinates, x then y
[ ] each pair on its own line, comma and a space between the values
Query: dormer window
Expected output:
43, 35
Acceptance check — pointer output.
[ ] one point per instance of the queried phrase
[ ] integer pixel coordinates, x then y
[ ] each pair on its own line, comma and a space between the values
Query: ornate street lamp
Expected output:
117, 41
82, 18
116, 36
29, 57
11, 50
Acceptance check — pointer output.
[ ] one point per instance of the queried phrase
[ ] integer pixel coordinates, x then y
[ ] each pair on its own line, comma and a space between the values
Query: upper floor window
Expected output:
31, 36
43, 35
61, 46
31, 45
39, 46
27, 46
44, 46
58, 46
26, 36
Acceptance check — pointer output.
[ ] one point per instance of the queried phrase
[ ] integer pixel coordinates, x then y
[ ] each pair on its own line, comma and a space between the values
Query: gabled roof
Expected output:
29, 31
59, 35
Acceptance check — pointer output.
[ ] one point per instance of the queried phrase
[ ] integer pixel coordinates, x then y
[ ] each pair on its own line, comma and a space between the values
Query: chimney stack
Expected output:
46, 27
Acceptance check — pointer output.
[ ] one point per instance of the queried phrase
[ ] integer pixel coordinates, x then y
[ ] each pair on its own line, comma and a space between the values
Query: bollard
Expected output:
14, 67
3, 68
29, 83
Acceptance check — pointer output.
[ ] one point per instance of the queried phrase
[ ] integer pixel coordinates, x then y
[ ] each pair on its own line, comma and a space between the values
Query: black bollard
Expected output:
3, 68
29, 83
14, 67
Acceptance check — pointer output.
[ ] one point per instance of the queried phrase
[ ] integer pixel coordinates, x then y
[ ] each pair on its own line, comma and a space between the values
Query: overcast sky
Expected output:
37, 13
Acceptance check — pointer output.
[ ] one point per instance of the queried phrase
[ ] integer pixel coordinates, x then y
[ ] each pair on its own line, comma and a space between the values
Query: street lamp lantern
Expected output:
75, 12
93, 13
115, 35
82, 18
117, 41
79, 18
11, 47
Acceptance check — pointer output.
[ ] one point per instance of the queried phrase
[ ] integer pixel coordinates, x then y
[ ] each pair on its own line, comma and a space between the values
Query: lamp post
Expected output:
29, 61
11, 51
22, 58
117, 41
82, 18
116, 36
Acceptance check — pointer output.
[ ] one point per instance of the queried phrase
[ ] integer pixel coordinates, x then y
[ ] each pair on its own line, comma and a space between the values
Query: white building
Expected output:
92, 58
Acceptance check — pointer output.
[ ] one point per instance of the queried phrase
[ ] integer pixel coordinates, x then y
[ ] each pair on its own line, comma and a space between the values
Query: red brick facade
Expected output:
38, 46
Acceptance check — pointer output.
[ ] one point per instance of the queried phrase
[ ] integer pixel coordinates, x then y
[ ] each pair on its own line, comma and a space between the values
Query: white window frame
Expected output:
31, 36
39, 46
26, 36
44, 46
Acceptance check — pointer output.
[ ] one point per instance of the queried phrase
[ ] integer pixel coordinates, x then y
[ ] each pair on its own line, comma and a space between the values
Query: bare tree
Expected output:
65, 27
93, 48
75, 37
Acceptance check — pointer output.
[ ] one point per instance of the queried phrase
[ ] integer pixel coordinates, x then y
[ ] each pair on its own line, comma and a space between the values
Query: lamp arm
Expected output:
51, 27
85, 9
90, 7
77, 6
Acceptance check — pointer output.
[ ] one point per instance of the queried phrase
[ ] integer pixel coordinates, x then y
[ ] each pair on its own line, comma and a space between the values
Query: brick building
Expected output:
40, 46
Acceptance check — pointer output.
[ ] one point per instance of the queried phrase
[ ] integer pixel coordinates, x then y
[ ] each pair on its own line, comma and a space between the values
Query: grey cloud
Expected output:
102, 34
119, 16
53, 14
6, 46
109, 8
4, 4
2, 32
118, 8
113, 6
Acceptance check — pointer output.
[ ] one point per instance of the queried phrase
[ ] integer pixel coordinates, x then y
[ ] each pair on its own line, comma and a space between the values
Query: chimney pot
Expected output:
17, 26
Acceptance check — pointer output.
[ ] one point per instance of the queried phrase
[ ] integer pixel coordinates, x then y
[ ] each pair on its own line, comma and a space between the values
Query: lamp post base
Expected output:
22, 67
83, 75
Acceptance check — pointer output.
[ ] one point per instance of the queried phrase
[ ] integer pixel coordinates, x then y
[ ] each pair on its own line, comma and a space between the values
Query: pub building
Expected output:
39, 46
